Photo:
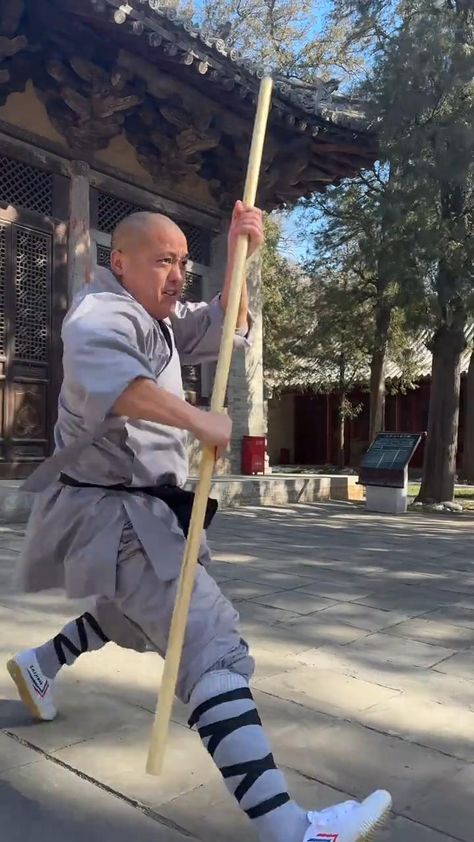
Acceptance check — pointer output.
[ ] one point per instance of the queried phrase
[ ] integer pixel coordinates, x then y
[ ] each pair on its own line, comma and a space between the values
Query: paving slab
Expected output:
461, 665
448, 728
117, 758
456, 615
339, 588
295, 601
239, 589
44, 801
84, 714
317, 630
400, 829
448, 805
385, 648
13, 754
414, 600
349, 704
351, 757
371, 619
326, 691
437, 632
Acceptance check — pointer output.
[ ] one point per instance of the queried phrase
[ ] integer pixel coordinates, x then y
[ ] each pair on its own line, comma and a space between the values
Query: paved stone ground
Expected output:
363, 630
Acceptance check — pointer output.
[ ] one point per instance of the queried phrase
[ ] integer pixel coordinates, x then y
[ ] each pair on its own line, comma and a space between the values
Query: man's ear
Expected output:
116, 262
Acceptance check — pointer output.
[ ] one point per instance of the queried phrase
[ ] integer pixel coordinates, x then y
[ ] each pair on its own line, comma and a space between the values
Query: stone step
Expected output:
230, 491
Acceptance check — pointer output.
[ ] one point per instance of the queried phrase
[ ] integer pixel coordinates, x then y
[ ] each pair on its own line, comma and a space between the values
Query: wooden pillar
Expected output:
79, 238
246, 402
247, 405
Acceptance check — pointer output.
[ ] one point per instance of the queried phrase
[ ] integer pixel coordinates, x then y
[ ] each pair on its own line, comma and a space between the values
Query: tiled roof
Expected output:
308, 373
155, 21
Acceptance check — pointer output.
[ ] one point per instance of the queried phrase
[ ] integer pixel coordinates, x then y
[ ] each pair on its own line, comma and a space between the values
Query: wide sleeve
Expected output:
197, 330
104, 351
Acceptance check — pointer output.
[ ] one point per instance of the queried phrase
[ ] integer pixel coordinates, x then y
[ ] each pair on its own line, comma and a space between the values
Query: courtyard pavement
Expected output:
362, 626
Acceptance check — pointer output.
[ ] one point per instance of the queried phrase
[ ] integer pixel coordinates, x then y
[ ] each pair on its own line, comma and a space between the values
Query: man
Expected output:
112, 524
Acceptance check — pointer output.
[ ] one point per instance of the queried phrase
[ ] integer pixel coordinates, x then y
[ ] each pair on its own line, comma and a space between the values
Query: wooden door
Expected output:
25, 345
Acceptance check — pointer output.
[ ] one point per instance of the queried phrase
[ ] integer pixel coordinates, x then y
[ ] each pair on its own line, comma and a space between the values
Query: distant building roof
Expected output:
308, 375
421, 357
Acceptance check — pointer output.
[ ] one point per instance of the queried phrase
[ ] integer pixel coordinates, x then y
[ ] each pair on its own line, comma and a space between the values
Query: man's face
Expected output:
151, 264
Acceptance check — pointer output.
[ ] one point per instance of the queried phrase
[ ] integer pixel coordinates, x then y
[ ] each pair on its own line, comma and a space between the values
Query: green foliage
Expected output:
316, 324
293, 38
287, 312
423, 91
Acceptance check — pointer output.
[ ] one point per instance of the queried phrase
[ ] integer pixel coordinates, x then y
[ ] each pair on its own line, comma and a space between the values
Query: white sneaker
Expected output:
34, 688
351, 821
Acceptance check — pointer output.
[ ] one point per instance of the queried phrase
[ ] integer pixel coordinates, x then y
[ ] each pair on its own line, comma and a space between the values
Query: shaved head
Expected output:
139, 225
149, 258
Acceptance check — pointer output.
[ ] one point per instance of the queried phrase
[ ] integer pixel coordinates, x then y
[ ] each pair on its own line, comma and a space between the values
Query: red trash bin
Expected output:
253, 455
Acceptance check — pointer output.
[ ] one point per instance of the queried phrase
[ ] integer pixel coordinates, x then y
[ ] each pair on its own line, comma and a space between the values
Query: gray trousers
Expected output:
139, 617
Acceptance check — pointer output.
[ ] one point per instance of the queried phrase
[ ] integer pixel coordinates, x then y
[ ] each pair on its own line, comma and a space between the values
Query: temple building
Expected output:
110, 107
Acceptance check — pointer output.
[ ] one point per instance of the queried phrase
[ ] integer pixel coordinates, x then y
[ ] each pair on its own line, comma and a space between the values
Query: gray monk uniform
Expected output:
126, 548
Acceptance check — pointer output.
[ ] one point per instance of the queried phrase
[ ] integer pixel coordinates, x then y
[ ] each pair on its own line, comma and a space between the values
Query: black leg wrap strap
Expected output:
268, 805
218, 730
251, 769
82, 634
231, 696
61, 640
96, 628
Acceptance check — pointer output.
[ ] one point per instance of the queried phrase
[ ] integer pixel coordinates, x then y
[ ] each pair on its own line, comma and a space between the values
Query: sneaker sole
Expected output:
17, 677
370, 834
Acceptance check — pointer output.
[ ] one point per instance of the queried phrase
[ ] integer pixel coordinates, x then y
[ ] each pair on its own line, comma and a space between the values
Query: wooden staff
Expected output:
188, 568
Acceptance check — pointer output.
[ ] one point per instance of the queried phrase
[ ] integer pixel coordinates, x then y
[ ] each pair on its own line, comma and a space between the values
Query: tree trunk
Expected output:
341, 432
449, 340
468, 456
439, 466
377, 372
341, 413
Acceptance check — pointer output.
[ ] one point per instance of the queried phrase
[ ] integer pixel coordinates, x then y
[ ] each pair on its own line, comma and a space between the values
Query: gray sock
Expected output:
228, 723
81, 635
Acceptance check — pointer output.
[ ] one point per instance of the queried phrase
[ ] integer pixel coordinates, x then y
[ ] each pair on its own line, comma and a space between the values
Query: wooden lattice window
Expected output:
24, 186
26, 337
192, 373
111, 210
32, 285
103, 256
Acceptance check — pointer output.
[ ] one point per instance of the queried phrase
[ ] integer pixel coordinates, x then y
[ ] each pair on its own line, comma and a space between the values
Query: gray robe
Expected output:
73, 534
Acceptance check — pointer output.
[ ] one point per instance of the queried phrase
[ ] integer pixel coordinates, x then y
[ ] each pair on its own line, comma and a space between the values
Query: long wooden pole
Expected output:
188, 568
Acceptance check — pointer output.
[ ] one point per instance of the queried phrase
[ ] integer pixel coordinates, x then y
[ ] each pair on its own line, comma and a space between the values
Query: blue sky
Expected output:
294, 245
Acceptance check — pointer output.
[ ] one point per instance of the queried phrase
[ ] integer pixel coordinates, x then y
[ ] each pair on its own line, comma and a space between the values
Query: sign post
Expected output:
384, 471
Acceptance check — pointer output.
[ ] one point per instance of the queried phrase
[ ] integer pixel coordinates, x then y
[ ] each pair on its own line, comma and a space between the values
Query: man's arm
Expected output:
144, 400
197, 328
247, 222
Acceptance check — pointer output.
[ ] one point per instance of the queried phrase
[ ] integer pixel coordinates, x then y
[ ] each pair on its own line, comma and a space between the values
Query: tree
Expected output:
468, 456
316, 327
355, 219
287, 312
341, 338
421, 86
294, 38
